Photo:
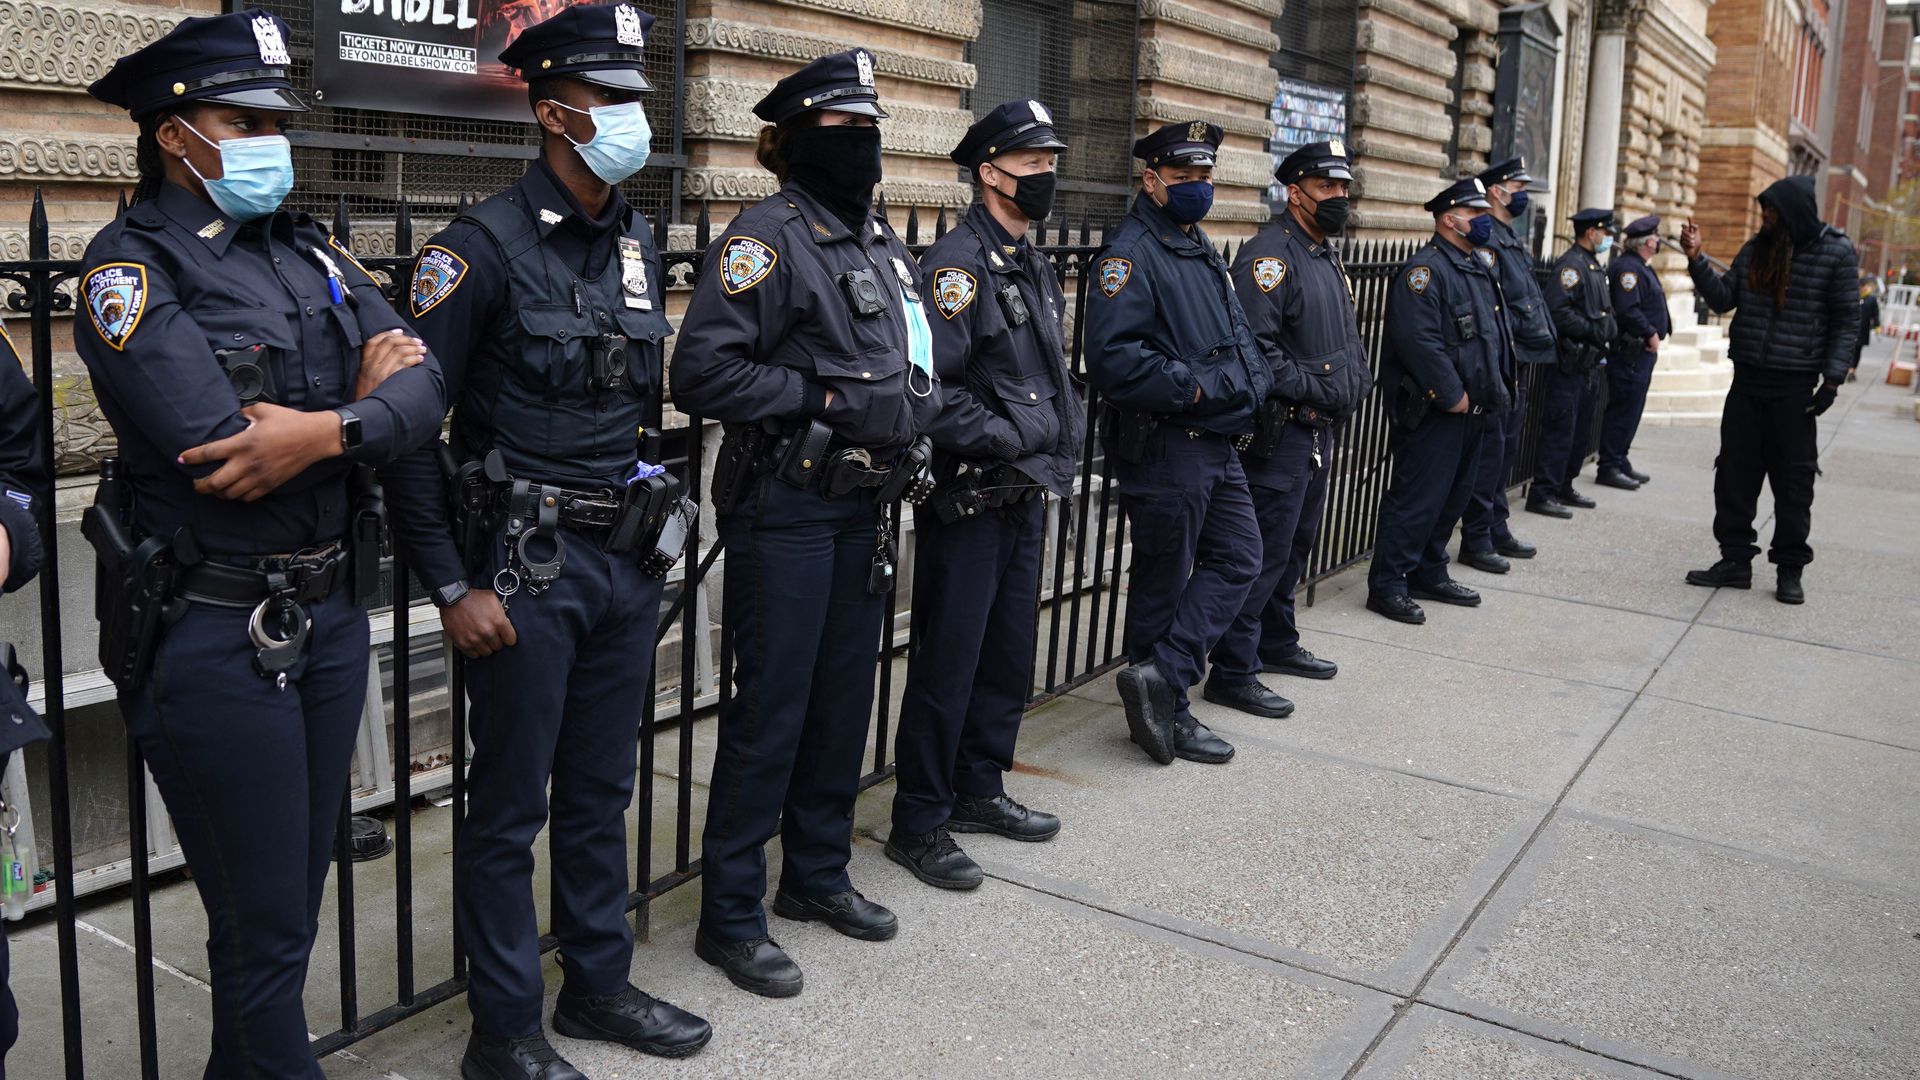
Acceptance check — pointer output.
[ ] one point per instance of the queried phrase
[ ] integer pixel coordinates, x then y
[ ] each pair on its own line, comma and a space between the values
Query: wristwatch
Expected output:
349, 429
448, 595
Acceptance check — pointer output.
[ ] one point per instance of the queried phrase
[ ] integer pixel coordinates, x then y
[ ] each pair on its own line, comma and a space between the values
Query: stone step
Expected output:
1687, 401
1675, 356
1667, 380
1681, 419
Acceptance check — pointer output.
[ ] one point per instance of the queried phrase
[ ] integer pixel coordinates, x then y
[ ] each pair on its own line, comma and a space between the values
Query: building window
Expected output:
1077, 58
372, 158
1315, 65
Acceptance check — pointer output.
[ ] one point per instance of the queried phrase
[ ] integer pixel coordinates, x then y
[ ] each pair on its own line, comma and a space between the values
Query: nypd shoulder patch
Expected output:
436, 274
1269, 273
1114, 275
1629, 280
744, 263
116, 298
953, 290
1569, 277
1419, 278
334, 243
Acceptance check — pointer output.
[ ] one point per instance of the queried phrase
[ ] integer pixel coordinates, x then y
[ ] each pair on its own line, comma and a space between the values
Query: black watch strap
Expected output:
448, 595
350, 435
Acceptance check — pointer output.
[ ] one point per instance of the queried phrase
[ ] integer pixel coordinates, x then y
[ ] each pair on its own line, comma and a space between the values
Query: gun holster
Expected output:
1132, 432
741, 449
1415, 406
366, 538
469, 499
133, 584
1269, 425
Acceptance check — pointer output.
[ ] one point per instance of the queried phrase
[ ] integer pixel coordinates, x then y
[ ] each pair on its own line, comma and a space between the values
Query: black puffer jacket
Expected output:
1817, 329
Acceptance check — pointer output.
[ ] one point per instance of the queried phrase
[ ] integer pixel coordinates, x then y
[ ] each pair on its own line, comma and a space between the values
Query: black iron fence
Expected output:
1079, 614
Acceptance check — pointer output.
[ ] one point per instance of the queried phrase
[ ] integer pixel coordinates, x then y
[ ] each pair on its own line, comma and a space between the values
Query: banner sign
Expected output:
437, 57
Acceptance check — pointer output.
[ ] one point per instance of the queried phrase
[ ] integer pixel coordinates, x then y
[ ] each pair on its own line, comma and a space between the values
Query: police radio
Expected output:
607, 362
249, 373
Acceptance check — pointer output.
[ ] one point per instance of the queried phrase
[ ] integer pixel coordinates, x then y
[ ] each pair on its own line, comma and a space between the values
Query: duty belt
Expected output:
578, 509
306, 577
1240, 442
1308, 416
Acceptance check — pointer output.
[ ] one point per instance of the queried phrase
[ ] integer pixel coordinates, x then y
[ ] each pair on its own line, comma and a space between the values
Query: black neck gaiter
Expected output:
838, 165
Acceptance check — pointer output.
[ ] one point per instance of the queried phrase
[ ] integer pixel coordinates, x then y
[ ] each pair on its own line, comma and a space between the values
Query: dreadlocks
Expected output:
1772, 263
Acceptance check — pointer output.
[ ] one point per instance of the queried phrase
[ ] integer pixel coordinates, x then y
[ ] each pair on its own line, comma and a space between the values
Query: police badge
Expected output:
1040, 113
953, 290
626, 26
1197, 131
435, 275
1114, 274
633, 274
1487, 257
116, 298
273, 49
744, 263
864, 63
1269, 273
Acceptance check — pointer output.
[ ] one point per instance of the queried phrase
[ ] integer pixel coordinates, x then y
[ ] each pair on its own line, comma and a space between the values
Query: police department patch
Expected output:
435, 275
1419, 278
1628, 280
1269, 273
1569, 277
746, 262
1487, 256
334, 243
953, 290
116, 298
1114, 274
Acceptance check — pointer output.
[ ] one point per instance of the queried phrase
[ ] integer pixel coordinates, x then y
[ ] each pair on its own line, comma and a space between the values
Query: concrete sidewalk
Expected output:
1605, 825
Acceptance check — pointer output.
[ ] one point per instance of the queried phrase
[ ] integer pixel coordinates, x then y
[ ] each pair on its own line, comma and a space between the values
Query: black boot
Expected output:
1788, 590
631, 1018
758, 965
1725, 574
529, 1057
1192, 740
1000, 815
1249, 698
848, 912
935, 859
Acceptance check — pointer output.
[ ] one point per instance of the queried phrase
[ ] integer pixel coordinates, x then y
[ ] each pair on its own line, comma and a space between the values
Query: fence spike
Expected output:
913, 225
880, 207
342, 227
38, 245
123, 203
703, 227
1086, 230
403, 228
660, 228
940, 224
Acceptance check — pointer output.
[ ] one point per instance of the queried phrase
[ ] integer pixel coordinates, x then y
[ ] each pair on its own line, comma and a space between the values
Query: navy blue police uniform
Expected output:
1299, 302
1169, 346
249, 741
1445, 337
1640, 307
807, 294
532, 301
1010, 430
24, 485
1581, 304
1484, 527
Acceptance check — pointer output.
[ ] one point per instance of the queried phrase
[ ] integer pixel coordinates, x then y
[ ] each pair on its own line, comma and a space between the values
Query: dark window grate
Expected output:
1315, 65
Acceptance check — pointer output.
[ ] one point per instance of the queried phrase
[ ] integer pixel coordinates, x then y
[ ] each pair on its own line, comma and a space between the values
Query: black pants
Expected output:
1484, 523
806, 637
559, 710
1771, 439
254, 777
1628, 378
1564, 433
976, 587
1289, 493
1433, 470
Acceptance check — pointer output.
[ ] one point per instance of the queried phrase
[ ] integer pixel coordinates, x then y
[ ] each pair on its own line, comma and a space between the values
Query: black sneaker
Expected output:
1725, 574
529, 1057
1445, 592
935, 859
848, 912
1396, 606
1251, 698
758, 965
631, 1018
1000, 815
1302, 664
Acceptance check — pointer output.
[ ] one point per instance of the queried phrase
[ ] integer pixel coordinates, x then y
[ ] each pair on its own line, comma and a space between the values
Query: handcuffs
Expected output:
533, 514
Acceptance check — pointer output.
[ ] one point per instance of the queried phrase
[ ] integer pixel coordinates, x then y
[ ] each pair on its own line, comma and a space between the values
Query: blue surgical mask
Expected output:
1605, 245
1517, 205
622, 139
255, 174
1480, 230
1189, 202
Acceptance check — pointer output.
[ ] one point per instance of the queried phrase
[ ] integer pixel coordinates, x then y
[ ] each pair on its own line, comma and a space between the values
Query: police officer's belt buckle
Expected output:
274, 656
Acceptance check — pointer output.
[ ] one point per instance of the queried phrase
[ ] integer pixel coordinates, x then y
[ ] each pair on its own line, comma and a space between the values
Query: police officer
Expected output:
1486, 542
247, 365
1300, 306
807, 336
1446, 362
1168, 344
24, 482
544, 303
1640, 307
1010, 430
1579, 300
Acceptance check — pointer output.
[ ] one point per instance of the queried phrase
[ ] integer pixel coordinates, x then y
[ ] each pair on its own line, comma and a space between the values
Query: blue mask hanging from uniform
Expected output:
1480, 230
255, 174
622, 140
1189, 202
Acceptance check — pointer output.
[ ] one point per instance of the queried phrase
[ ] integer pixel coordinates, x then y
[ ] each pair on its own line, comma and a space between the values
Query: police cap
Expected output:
1466, 191
1328, 159
1186, 142
597, 43
1643, 226
842, 82
1510, 169
1017, 125
236, 59
1590, 217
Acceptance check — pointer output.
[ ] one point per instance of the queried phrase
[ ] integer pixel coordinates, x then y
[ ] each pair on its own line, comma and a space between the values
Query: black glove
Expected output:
1823, 398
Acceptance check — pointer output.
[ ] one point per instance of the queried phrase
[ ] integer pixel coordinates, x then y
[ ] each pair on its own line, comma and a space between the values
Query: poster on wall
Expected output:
437, 57
1304, 113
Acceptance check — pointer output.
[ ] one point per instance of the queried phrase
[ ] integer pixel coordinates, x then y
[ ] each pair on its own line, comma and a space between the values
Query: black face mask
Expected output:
838, 164
1033, 194
1330, 215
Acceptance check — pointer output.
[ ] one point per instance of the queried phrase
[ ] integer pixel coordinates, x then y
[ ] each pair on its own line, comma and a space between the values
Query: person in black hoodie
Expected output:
1792, 340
